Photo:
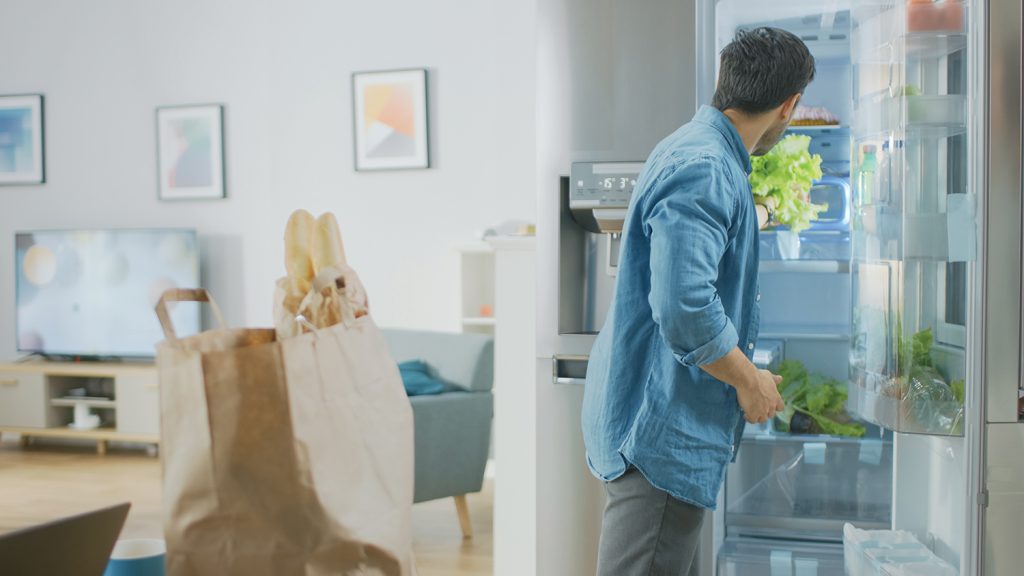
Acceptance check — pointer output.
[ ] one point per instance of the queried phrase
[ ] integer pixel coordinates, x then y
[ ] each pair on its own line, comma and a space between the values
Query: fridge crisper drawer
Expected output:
745, 557
793, 486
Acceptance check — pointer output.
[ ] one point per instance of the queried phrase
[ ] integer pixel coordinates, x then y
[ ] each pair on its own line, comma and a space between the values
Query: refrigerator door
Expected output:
792, 487
914, 222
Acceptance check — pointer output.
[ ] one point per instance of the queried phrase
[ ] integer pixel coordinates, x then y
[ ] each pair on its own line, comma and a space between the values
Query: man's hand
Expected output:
764, 207
760, 399
757, 391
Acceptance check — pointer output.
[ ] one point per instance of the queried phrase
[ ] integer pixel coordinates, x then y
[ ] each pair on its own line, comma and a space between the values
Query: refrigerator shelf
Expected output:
914, 46
921, 116
910, 32
888, 234
892, 404
874, 435
924, 45
823, 266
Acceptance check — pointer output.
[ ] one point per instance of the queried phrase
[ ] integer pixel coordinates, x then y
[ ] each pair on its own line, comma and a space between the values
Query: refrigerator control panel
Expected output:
603, 184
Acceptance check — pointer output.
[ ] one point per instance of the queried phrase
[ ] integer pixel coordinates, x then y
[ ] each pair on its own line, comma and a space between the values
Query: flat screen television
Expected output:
91, 293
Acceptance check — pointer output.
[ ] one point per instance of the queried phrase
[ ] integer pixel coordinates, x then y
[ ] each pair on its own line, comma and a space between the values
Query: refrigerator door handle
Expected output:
571, 370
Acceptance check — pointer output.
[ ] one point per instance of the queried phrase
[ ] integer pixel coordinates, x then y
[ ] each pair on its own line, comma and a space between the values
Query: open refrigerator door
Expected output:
878, 299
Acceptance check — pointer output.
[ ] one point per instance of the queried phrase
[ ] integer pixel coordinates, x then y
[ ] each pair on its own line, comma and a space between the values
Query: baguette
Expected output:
298, 259
328, 250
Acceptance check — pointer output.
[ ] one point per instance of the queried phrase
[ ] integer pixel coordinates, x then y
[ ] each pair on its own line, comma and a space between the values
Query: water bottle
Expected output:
884, 192
866, 176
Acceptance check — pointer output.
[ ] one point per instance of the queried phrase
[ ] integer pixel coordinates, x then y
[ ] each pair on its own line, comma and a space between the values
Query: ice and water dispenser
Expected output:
594, 201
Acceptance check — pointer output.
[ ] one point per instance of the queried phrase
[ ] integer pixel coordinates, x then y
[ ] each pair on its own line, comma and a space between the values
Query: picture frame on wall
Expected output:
190, 152
22, 151
390, 120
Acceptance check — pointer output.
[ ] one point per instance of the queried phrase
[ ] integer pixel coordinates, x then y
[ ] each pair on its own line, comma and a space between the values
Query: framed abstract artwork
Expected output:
390, 120
190, 152
21, 140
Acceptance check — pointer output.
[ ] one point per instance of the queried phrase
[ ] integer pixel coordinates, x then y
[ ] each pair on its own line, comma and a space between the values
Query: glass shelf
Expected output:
809, 247
836, 128
910, 405
898, 31
914, 46
811, 266
941, 116
924, 45
942, 236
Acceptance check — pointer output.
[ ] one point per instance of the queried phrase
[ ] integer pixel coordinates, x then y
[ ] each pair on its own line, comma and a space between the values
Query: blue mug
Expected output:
137, 558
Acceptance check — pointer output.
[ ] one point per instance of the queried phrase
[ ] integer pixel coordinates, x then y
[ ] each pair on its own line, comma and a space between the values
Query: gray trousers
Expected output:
646, 532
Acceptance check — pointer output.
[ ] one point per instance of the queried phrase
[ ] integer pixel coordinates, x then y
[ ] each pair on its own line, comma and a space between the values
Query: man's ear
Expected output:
789, 106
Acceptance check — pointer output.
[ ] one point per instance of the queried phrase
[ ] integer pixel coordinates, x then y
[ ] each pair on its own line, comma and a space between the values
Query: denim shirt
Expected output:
686, 294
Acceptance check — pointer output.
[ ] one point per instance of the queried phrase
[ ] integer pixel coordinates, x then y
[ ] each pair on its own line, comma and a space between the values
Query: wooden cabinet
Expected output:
22, 399
137, 397
38, 399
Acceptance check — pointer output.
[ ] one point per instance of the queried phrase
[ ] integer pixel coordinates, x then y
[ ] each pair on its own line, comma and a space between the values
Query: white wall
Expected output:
282, 69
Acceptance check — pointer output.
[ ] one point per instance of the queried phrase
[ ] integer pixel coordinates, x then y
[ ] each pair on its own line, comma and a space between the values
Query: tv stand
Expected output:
36, 400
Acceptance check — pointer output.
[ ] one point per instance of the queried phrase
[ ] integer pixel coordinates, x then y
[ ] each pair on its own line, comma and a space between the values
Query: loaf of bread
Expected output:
298, 253
313, 245
327, 248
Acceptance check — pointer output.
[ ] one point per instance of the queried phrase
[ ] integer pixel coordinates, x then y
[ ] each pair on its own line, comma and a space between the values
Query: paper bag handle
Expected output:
184, 295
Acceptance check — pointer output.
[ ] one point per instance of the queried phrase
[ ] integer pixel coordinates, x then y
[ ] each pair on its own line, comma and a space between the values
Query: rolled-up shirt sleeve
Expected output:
687, 219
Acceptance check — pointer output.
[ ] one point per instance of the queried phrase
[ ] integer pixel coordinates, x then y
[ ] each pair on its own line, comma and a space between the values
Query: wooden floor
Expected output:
43, 482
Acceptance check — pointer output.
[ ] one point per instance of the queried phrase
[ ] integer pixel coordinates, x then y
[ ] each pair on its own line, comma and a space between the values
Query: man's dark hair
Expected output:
760, 69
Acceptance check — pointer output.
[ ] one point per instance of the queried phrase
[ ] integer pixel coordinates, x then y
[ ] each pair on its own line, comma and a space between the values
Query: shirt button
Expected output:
750, 346
758, 298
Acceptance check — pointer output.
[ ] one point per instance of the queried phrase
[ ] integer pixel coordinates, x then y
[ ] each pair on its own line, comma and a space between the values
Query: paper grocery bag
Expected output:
284, 458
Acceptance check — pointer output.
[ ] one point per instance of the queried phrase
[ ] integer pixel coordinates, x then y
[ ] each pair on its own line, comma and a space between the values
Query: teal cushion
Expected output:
418, 380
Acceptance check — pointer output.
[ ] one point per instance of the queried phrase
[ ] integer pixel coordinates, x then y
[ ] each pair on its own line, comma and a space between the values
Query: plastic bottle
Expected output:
883, 192
866, 176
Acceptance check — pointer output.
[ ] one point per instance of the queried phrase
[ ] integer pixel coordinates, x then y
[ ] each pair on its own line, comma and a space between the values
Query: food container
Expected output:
945, 16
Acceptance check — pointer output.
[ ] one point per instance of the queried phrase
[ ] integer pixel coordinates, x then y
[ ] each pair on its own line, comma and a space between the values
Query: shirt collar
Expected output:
713, 117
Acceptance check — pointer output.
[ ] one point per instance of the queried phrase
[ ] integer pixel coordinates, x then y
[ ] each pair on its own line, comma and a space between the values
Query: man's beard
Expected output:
770, 139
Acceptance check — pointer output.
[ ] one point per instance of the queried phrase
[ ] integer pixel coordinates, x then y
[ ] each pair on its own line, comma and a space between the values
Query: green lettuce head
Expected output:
786, 173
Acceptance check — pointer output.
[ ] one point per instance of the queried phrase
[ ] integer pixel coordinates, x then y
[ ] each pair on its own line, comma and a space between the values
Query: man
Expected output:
670, 380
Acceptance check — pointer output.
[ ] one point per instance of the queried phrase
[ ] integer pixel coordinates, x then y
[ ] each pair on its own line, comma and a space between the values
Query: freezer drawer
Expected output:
792, 486
747, 557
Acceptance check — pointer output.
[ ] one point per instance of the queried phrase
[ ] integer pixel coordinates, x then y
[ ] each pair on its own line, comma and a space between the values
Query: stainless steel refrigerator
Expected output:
909, 291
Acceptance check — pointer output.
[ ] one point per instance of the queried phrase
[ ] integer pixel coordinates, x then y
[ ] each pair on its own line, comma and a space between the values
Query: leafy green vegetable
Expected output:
836, 428
957, 386
791, 371
915, 351
818, 397
786, 173
907, 90
933, 404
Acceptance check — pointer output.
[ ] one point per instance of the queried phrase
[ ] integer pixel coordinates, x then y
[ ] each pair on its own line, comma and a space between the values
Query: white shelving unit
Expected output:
476, 267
